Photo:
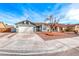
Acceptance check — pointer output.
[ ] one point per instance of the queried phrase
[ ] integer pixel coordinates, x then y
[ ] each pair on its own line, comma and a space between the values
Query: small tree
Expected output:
53, 20
50, 18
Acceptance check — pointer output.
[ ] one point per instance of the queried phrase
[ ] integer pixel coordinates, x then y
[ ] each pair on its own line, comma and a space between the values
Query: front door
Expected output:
38, 28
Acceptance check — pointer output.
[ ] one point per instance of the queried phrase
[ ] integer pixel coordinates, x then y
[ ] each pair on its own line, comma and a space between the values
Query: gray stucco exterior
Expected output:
29, 26
25, 26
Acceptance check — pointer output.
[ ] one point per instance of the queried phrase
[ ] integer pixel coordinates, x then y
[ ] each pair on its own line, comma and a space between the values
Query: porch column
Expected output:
63, 29
34, 29
58, 29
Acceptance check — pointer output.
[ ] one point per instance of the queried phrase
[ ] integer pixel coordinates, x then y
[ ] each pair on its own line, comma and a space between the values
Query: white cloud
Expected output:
70, 12
73, 14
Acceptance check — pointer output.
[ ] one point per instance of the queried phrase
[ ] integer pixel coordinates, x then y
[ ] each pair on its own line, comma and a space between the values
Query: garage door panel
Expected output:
25, 29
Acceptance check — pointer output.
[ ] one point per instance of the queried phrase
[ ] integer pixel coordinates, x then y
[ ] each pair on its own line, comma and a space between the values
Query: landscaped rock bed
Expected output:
56, 35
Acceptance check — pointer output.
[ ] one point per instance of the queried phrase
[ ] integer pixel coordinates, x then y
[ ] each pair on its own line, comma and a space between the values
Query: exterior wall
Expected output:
24, 27
45, 28
41, 28
70, 29
63, 29
2, 25
58, 29
13, 29
5, 29
77, 28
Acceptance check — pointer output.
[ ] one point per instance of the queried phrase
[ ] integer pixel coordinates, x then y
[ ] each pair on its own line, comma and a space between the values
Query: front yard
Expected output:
56, 35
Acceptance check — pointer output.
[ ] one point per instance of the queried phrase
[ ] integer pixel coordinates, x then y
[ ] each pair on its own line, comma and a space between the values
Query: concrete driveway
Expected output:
32, 44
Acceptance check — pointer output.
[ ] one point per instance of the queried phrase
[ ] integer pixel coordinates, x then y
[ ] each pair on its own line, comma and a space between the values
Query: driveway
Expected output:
32, 44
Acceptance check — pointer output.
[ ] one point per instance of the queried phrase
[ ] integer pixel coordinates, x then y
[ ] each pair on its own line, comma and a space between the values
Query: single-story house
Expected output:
73, 27
77, 27
13, 29
65, 27
28, 26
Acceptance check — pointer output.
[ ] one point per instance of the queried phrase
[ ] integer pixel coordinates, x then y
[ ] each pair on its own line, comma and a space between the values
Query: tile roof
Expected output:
56, 25
39, 24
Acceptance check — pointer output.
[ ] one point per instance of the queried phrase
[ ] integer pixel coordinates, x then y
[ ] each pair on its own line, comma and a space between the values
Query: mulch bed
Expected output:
56, 35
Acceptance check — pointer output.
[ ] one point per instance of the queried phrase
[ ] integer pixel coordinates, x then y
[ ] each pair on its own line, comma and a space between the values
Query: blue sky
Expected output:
12, 13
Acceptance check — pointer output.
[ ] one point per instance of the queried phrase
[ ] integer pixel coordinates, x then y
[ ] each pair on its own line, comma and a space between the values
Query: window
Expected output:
24, 22
44, 28
16, 26
77, 26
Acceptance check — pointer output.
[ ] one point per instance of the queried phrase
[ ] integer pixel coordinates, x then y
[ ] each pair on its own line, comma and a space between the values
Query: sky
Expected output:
12, 13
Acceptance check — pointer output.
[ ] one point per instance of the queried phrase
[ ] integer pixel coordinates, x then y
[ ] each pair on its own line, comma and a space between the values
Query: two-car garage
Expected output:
25, 27
22, 29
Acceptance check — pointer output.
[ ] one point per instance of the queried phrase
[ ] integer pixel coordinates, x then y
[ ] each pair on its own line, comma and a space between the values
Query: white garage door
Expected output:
25, 29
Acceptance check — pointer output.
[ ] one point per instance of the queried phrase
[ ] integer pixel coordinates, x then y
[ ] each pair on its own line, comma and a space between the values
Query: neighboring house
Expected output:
25, 26
73, 27
65, 27
77, 27
4, 27
13, 29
